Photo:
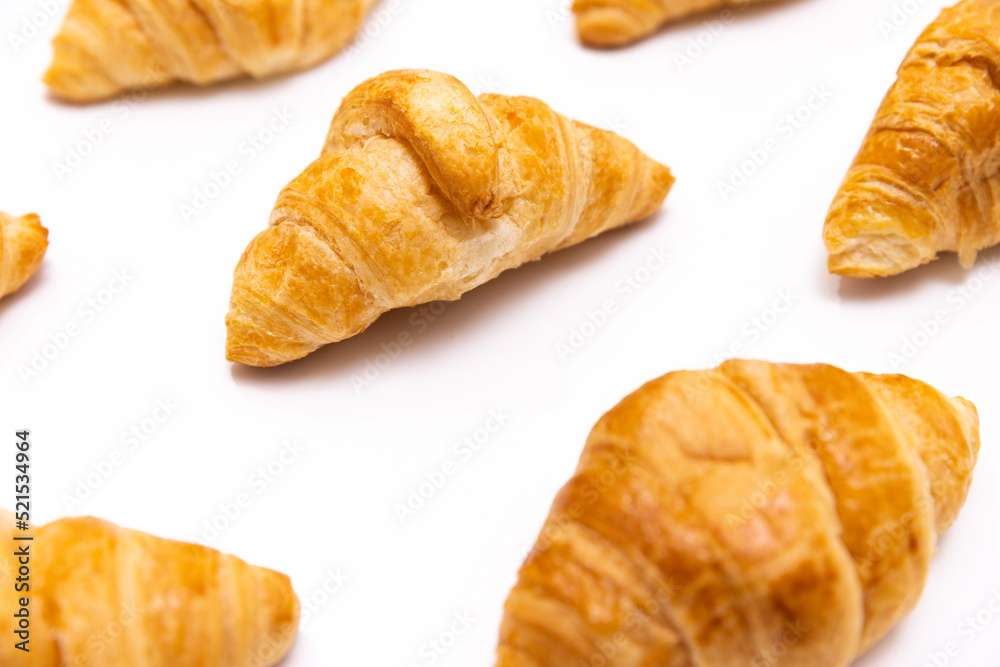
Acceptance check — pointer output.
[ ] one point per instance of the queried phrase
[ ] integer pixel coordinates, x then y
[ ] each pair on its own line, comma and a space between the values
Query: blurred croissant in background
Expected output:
620, 22
23, 241
105, 47
104, 596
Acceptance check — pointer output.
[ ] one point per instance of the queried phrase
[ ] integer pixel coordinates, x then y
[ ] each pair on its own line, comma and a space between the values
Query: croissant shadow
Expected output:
946, 269
480, 308
183, 91
25, 292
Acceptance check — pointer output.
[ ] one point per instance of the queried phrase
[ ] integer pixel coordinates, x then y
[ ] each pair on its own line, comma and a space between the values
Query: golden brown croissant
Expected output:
22, 245
926, 179
754, 514
104, 595
423, 192
108, 46
619, 22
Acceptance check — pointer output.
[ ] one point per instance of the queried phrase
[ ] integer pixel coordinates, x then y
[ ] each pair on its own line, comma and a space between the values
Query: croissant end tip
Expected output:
607, 27
875, 254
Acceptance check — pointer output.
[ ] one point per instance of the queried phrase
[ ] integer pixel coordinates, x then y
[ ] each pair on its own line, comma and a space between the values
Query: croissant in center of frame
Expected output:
755, 514
422, 193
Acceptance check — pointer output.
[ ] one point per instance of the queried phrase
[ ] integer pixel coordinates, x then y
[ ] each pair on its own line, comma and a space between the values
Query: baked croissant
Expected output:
620, 22
23, 242
108, 596
754, 514
105, 47
423, 192
926, 179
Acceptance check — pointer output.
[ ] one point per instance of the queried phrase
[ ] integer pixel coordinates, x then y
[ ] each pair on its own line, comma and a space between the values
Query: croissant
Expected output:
620, 22
423, 192
105, 47
925, 179
753, 514
22, 245
102, 595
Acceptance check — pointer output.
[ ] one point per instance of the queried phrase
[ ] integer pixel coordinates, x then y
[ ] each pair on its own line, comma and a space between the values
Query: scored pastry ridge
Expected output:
712, 513
423, 192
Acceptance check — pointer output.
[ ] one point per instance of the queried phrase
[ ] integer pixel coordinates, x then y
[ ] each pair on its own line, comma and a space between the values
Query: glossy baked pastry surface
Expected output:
715, 514
925, 180
423, 192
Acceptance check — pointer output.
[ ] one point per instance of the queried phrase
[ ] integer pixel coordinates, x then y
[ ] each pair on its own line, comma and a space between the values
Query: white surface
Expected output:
162, 337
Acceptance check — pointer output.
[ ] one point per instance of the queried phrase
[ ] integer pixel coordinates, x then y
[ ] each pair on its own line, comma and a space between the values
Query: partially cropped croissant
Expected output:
103, 595
108, 46
619, 22
926, 178
23, 242
750, 515
422, 193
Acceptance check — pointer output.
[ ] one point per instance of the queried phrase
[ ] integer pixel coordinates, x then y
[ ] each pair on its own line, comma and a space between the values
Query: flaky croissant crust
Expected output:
105, 47
925, 180
423, 192
753, 514
109, 596
23, 241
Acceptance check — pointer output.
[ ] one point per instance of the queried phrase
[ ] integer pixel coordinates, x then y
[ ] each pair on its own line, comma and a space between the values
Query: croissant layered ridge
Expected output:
925, 180
750, 514
105, 47
423, 192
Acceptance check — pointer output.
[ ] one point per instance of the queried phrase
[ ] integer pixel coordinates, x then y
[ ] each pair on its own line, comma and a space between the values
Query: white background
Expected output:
162, 337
